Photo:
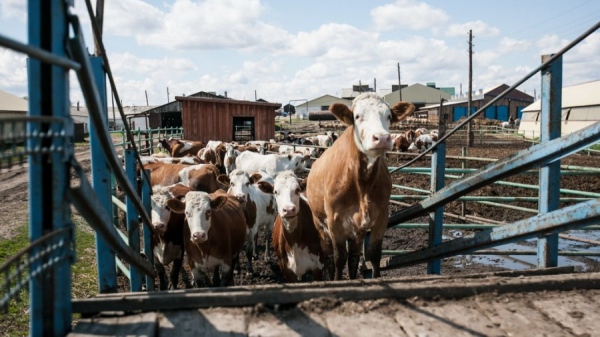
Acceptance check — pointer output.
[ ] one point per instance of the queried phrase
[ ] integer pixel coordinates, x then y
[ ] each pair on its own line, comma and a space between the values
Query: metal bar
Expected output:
517, 208
505, 92
463, 171
77, 47
487, 198
132, 221
549, 193
502, 252
572, 217
469, 226
107, 276
122, 267
119, 203
38, 53
84, 199
146, 189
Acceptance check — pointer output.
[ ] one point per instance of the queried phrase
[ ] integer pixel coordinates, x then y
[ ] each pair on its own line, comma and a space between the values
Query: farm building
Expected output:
355, 91
418, 94
227, 120
511, 105
580, 108
169, 115
10, 106
319, 105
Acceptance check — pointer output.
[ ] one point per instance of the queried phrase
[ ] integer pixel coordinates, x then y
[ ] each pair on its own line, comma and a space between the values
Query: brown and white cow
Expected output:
207, 156
259, 205
401, 143
410, 135
296, 241
167, 240
349, 187
214, 234
202, 177
180, 148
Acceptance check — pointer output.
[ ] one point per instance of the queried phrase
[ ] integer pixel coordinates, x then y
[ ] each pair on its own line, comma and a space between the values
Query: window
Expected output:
324, 107
243, 128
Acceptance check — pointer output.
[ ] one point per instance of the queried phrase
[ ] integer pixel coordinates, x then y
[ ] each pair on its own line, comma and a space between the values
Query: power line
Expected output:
547, 20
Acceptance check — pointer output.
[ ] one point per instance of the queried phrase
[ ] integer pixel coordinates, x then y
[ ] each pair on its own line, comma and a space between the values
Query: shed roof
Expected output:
227, 101
584, 94
12, 103
326, 95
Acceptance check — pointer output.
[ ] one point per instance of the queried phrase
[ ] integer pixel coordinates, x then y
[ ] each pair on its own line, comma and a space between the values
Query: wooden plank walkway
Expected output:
555, 312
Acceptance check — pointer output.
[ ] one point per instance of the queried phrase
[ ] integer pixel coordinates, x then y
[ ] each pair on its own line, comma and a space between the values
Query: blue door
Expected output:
502, 113
490, 113
458, 113
520, 112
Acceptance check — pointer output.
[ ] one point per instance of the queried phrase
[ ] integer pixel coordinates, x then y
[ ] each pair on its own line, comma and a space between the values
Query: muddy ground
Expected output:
14, 198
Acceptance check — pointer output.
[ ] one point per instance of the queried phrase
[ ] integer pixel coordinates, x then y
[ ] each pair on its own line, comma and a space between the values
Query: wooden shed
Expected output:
227, 120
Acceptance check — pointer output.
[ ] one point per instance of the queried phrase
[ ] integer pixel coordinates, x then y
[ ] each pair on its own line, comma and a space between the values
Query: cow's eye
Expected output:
275, 192
298, 191
356, 117
208, 213
390, 118
247, 184
232, 184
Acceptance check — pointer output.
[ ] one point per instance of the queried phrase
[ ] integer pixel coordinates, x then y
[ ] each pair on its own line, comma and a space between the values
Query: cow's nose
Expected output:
199, 236
240, 197
382, 139
159, 226
289, 211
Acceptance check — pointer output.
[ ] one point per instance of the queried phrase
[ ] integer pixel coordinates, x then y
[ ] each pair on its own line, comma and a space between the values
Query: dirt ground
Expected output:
14, 198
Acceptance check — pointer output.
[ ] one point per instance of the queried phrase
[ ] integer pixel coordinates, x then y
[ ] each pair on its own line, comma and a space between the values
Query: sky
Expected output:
288, 50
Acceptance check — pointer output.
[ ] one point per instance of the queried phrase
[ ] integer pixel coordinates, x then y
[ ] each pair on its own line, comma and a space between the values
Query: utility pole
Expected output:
168, 98
146, 91
399, 83
375, 85
112, 94
359, 87
470, 137
255, 97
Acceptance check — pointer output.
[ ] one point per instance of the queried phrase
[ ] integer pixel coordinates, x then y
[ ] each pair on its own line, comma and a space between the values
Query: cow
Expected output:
258, 204
287, 149
296, 241
410, 135
420, 131
180, 148
207, 156
213, 144
271, 163
167, 240
401, 143
201, 177
421, 143
244, 148
349, 187
214, 234
230, 156
321, 140
257, 143
189, 160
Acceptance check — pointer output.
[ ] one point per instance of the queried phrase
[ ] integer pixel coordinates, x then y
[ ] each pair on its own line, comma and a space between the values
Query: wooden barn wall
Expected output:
204, 121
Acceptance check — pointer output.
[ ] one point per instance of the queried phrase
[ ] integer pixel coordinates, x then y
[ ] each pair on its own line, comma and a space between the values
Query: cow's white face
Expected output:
230, 156
287, 194
161, 213
198, 208
239, 185
371, 118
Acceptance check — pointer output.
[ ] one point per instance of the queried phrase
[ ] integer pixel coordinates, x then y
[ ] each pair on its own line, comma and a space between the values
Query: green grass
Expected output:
84, 280
595, 147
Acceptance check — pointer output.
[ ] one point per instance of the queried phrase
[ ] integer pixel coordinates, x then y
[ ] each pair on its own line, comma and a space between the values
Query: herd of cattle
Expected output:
325, 216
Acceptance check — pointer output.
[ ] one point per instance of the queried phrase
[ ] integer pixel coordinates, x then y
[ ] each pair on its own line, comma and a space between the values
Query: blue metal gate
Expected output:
502, 113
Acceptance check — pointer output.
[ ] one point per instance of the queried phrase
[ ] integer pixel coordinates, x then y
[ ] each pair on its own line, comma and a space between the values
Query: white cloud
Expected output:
131, 17
480, 29
509, 45
157, 68
13, 9
407, 14
13, 72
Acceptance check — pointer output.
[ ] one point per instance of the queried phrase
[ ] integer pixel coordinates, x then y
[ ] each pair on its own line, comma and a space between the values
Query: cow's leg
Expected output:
339, 256
185, 277
353, 257
162, 275
373, 251
268, 235
249, 253
289, 275
174, 277
317, 274
227, 277
216, 281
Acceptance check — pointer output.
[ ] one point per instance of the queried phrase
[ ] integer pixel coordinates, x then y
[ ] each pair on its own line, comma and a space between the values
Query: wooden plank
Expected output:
204, 322
466, 317
370, 324
144, 324
294, 323
517, 319
576, 313
399, 290
417, 322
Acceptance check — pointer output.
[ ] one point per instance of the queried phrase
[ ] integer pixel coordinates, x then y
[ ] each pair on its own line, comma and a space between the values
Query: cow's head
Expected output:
198, 208
230, 156
240, 183
371, 118
161, 213
287, 190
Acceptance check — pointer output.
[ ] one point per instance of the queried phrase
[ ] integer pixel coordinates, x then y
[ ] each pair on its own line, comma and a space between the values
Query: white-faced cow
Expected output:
214, 234
259, 205
167, 240
421, 143
296, 241
349, 187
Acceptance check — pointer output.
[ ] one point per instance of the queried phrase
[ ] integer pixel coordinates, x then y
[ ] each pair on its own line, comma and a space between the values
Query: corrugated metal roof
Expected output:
10, 102
584, 94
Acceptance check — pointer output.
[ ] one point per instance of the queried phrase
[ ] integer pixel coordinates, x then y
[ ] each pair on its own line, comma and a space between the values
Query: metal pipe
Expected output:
501, 252
472, 226
486, 198
39, 53
463, 171
507, 91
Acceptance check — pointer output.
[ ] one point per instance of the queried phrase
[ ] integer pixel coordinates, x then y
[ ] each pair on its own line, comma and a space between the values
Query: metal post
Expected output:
105, 257
146, 189
139, 134
133, 222
115, 212
551, 106
436, 218
50, 290
463, 205
123, 140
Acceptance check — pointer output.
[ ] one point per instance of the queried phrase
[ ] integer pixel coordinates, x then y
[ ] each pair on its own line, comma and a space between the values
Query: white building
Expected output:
580, 108
321, 103
11, 106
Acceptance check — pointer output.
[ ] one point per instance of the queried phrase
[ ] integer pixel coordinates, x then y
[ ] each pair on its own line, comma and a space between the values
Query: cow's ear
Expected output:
176, 205
223, 179
255, 177
342, 113
265, 187
402, 110
218, 202
302, 183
